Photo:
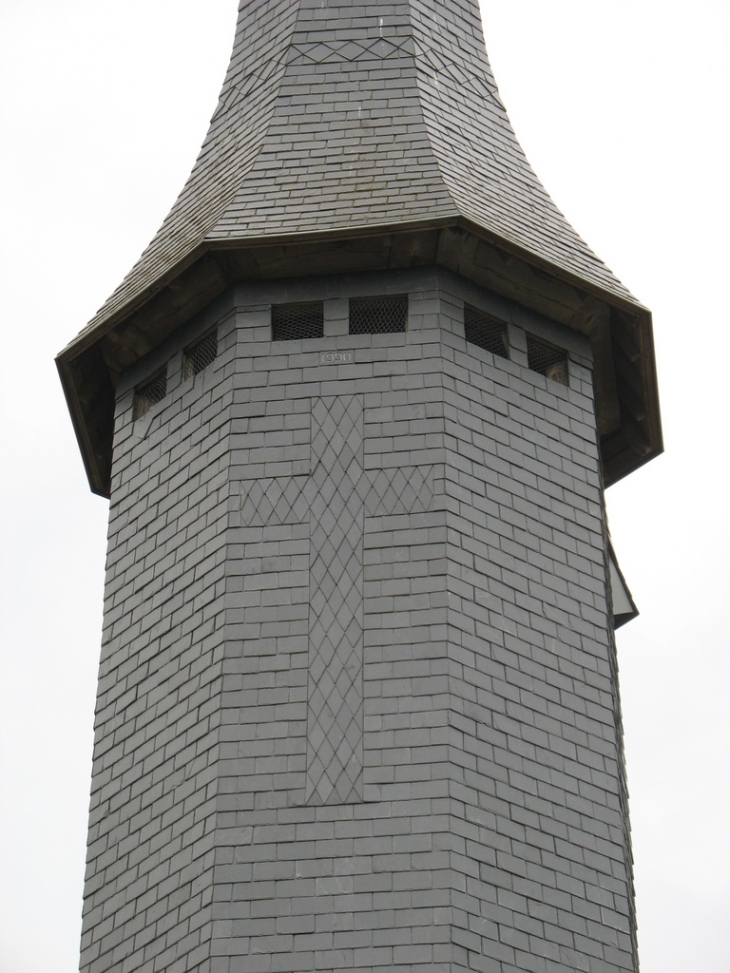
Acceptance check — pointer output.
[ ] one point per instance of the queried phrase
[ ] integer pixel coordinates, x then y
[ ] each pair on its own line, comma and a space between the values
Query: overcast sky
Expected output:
622, 108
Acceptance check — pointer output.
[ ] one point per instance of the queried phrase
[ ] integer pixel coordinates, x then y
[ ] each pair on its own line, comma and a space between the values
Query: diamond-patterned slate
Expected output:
333, 51
335, 498
407, 489
275, 500
335, 715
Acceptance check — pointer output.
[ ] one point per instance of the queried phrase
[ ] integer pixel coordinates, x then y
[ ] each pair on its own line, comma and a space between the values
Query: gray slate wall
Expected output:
367, 686
148, 894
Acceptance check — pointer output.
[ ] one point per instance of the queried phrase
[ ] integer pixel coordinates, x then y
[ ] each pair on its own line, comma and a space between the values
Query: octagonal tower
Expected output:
355, 408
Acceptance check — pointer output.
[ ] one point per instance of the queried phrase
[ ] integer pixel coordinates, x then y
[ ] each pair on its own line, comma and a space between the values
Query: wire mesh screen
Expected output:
303, 320
548, 361
200, 355
378, 315
485, 331
149, 394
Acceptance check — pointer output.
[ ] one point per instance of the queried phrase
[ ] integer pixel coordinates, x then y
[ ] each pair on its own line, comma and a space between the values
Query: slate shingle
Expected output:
329, 121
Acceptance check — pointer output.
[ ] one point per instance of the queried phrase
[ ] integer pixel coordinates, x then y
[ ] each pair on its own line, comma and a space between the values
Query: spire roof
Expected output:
343, 120
347, 116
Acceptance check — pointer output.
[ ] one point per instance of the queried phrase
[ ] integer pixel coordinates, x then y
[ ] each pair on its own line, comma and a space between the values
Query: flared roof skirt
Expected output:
340, 120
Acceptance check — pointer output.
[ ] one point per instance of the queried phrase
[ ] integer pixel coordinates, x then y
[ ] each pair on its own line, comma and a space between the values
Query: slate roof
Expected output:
350, 116
344, 120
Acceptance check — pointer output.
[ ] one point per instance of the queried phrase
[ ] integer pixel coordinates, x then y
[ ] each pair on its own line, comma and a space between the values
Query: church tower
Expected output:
355, 408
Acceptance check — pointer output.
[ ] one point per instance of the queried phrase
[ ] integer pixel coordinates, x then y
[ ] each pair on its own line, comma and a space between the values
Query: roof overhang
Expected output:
620, 331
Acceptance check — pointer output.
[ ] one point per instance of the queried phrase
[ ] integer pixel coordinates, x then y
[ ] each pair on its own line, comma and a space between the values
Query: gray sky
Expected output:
622, 109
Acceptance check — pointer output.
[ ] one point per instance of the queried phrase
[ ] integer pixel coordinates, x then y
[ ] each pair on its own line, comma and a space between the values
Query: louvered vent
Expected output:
149, 394
304, 320
485, 331
378, 315
547, 360
200, 355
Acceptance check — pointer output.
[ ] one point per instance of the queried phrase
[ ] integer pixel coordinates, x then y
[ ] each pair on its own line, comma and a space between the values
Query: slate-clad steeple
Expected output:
354, 136
358, 702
